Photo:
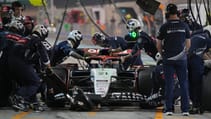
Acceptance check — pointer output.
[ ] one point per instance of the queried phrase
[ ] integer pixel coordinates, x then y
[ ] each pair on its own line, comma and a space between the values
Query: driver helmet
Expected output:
98, 38
133, 25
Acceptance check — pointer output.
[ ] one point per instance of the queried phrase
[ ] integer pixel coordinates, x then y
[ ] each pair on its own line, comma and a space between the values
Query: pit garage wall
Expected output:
107, 15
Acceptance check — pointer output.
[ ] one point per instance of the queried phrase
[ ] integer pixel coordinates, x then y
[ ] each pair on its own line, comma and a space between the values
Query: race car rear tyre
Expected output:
145, 81
206, 91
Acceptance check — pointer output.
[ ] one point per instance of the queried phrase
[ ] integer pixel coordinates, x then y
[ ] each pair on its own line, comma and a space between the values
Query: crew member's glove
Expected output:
49, 71
122, 58
207, 63
158, 57
87, 59
1, 52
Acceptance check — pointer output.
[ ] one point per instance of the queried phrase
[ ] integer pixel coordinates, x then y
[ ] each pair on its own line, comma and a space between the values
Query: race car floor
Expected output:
125, 112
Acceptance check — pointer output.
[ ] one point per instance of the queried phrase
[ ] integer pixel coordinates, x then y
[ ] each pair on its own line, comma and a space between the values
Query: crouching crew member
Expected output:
21, 59
8, 38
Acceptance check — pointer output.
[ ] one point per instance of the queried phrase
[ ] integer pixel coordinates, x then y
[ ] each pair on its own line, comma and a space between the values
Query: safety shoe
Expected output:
37, 107
185, 114
18, 103
196, 110
169, 113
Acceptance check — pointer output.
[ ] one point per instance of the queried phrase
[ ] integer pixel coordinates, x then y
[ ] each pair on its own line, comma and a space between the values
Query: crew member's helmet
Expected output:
133, 24
17, 26
41, 31
75, 38
98, 38
76, 35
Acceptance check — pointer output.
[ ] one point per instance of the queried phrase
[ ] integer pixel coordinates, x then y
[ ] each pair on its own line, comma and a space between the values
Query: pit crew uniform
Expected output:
173, 35
200, 43
115, 42
65, 49
21, 59
143, 41
7, 40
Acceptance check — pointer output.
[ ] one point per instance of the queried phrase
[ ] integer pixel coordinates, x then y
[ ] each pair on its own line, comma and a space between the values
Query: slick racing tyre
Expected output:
145, 81
206, 91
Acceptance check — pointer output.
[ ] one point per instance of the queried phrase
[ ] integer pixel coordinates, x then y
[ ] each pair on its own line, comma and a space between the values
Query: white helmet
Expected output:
40, 30
133, 24
75, 35
17, 26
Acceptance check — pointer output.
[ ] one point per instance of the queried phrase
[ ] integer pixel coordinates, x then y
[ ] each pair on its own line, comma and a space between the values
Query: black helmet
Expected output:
98, 38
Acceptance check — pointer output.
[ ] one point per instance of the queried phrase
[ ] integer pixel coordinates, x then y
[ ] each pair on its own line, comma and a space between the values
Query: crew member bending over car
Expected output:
137, 39
21, 64
200, 44
115, 43
67, 48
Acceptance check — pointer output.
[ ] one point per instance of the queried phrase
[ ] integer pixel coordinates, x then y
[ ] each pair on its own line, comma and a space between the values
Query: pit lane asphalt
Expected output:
125, 112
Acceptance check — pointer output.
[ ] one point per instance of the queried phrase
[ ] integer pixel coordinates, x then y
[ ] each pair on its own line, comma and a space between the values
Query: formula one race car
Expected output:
102, 82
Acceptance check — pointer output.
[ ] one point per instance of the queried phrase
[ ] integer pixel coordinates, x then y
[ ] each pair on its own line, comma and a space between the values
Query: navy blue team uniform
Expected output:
143, 41
67, 48
21, 60
200, 43
7, 40
21, 57
61, 51
115, 42
173, 34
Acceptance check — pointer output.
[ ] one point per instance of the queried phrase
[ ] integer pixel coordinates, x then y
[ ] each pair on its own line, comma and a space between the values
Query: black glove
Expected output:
49, 71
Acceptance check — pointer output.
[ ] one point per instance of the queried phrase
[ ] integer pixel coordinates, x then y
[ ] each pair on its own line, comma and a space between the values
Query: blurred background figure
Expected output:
28, 22
6, 16
17, 8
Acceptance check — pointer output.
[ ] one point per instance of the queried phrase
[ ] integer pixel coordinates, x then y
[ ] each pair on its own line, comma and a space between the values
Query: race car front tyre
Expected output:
145, 81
